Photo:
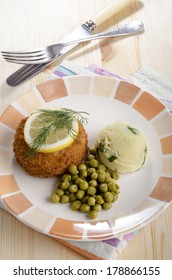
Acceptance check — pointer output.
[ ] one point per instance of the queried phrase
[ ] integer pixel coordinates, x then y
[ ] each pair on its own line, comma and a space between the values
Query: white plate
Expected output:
144, 193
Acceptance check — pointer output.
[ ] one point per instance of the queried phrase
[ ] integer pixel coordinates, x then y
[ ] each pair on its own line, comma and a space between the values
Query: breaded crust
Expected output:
49, 164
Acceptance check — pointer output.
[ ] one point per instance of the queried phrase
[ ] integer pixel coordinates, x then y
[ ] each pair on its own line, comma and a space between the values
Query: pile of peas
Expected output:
89, 187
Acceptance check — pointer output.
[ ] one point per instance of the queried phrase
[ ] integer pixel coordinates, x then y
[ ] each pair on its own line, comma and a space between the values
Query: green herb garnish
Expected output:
112, 158
102, 146
145, 150
133, 130
56, 120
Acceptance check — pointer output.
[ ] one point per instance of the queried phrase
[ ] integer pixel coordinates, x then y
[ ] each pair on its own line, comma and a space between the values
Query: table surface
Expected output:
32, 24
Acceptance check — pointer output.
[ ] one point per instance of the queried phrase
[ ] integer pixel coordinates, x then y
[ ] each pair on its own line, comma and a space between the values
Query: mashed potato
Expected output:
122, 147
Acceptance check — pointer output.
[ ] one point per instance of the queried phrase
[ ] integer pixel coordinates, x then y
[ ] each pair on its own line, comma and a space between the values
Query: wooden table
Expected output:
32, 24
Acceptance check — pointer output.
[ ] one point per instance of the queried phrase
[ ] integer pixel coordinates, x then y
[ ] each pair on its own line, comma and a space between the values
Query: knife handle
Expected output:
109, 11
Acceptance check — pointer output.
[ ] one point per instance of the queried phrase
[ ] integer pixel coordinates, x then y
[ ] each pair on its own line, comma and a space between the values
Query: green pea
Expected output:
84, 208
99, 199
66, 177
67, 192
103, 187
73, 169
107, 205
107, 177
91, 170
64, 198
101, 167
72, 197
101, 177
92, 214
112, 186
93, 183
108, 196
90, 157
55, 198
80, 194
94, 162
94, 176
100, 171
87, 163
97, 207
74, 177
59, 192
91, 190
115, 175
85, 198
91, 201
83, 185
82, 166
78, 181
65, 185
73, 188
89, 186
117, 189
115, 197
92, 151
83, 174
76, 205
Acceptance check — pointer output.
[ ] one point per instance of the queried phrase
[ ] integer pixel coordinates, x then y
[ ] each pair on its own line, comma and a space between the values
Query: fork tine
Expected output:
13, 57
28, 61
23, 54
36, 57
17, 61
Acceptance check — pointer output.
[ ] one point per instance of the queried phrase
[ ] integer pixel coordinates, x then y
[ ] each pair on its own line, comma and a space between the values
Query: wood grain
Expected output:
32, 24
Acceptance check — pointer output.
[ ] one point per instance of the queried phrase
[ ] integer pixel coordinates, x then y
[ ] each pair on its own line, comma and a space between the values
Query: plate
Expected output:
144, 193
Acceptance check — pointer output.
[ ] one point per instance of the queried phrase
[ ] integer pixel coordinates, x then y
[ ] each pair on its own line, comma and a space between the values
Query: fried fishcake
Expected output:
49, 164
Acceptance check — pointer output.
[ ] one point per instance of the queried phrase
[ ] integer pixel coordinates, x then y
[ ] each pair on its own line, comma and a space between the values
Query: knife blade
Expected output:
28, 71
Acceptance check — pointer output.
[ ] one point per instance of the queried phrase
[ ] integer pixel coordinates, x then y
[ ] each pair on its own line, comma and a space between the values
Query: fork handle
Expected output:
109, 11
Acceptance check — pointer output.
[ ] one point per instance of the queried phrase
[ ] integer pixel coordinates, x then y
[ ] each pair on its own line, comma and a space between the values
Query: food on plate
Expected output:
48, 141
89, 187
122, 147
47, 132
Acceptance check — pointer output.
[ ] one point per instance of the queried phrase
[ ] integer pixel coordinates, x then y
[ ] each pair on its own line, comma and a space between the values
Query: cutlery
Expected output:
28, 71
52, 52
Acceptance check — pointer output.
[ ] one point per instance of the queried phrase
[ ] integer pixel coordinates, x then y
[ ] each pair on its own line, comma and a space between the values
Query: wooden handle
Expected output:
109, 11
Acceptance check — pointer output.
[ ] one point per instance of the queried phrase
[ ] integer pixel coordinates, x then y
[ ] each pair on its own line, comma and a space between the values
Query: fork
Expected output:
49, 53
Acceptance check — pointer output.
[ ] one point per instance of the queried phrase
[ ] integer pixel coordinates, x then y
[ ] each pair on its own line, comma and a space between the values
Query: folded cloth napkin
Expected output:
147, 80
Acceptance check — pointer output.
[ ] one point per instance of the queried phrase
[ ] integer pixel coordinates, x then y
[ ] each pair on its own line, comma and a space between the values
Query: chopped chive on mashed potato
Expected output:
122, 147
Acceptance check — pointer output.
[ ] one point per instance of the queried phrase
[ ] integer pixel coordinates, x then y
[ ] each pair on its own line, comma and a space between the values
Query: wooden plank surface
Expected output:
32, 24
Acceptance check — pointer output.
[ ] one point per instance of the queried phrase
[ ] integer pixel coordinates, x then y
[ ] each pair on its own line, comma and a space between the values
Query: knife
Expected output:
28, 71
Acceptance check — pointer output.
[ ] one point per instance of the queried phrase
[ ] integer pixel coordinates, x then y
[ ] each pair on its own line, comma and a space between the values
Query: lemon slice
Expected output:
56, 139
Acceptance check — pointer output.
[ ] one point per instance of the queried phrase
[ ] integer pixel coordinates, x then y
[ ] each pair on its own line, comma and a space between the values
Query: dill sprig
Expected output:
56, 120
